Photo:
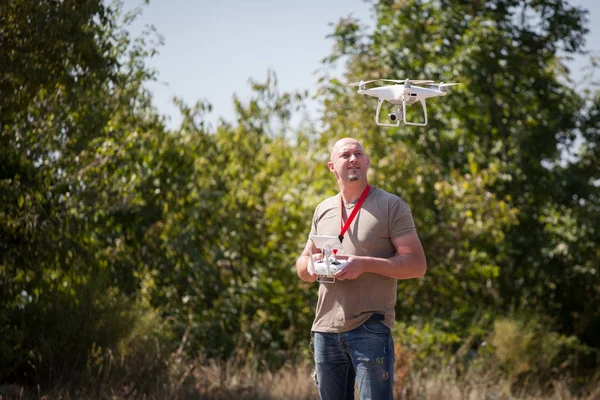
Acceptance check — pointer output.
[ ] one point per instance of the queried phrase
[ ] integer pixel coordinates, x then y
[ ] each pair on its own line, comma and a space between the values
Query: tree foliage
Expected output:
73, 99
500, 203
109, 218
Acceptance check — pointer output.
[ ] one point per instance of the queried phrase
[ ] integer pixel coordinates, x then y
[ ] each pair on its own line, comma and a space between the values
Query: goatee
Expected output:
353, 178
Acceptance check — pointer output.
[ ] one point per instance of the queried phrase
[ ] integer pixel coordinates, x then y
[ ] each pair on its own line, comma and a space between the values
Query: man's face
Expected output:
348, 161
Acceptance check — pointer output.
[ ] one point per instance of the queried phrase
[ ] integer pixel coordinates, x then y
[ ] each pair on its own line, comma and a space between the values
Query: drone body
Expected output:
402, 95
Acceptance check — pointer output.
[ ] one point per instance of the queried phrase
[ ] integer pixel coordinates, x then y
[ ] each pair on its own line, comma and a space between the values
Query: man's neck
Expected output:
351, 191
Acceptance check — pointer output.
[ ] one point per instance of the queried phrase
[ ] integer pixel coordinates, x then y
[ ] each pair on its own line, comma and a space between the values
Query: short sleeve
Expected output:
401, 222
313, 225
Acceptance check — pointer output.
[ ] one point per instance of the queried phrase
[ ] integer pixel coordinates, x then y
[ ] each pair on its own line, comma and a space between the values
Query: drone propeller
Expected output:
361, 82
417, 82
442, 84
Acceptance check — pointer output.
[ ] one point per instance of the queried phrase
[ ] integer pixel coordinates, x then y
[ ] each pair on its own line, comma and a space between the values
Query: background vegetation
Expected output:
135, 259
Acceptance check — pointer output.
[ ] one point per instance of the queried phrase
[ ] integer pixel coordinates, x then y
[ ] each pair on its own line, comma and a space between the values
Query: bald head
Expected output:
348, 161
339, 146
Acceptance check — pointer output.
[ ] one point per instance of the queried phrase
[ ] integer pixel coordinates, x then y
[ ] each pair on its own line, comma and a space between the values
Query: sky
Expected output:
213, 48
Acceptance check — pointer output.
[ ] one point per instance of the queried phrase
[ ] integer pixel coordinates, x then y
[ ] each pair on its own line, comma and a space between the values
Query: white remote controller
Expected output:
322, 269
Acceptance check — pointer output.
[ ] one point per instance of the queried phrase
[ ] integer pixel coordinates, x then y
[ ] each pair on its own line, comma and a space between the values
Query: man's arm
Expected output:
303, 267
408, 263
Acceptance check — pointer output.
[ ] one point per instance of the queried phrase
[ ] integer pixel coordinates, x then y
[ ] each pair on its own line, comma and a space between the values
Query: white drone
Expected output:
401, 95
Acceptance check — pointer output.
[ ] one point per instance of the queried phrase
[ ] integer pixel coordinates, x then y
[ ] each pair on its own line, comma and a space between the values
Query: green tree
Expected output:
234, 231
110, 222
505, 220
73, 100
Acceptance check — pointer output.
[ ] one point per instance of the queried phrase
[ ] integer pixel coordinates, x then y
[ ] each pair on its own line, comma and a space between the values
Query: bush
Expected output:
526, 347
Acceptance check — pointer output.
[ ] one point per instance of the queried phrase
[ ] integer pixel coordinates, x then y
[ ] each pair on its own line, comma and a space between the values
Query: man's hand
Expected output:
304, 267
408, 263
309, 267
352, 270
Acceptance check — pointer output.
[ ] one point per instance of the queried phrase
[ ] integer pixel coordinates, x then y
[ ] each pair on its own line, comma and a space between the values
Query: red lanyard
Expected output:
361, 200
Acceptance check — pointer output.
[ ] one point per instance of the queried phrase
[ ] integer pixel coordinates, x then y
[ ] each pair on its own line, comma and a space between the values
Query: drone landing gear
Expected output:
399, 117
400, 114
424, 113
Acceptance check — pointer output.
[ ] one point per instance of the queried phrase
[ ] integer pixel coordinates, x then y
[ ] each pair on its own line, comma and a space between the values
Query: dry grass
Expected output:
235, 380
229, 381
226, 381
216, 383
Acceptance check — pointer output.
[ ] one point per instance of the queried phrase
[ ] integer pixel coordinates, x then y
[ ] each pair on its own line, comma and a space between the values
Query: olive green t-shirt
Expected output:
347, 304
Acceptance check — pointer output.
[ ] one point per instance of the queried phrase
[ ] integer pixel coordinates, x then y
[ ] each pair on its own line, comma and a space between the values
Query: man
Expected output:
355, 314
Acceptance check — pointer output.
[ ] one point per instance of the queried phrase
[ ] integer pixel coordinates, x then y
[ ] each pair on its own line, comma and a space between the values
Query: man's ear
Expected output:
331, 166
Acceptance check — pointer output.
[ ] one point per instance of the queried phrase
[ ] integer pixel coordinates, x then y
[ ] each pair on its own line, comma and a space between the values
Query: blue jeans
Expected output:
365, 354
